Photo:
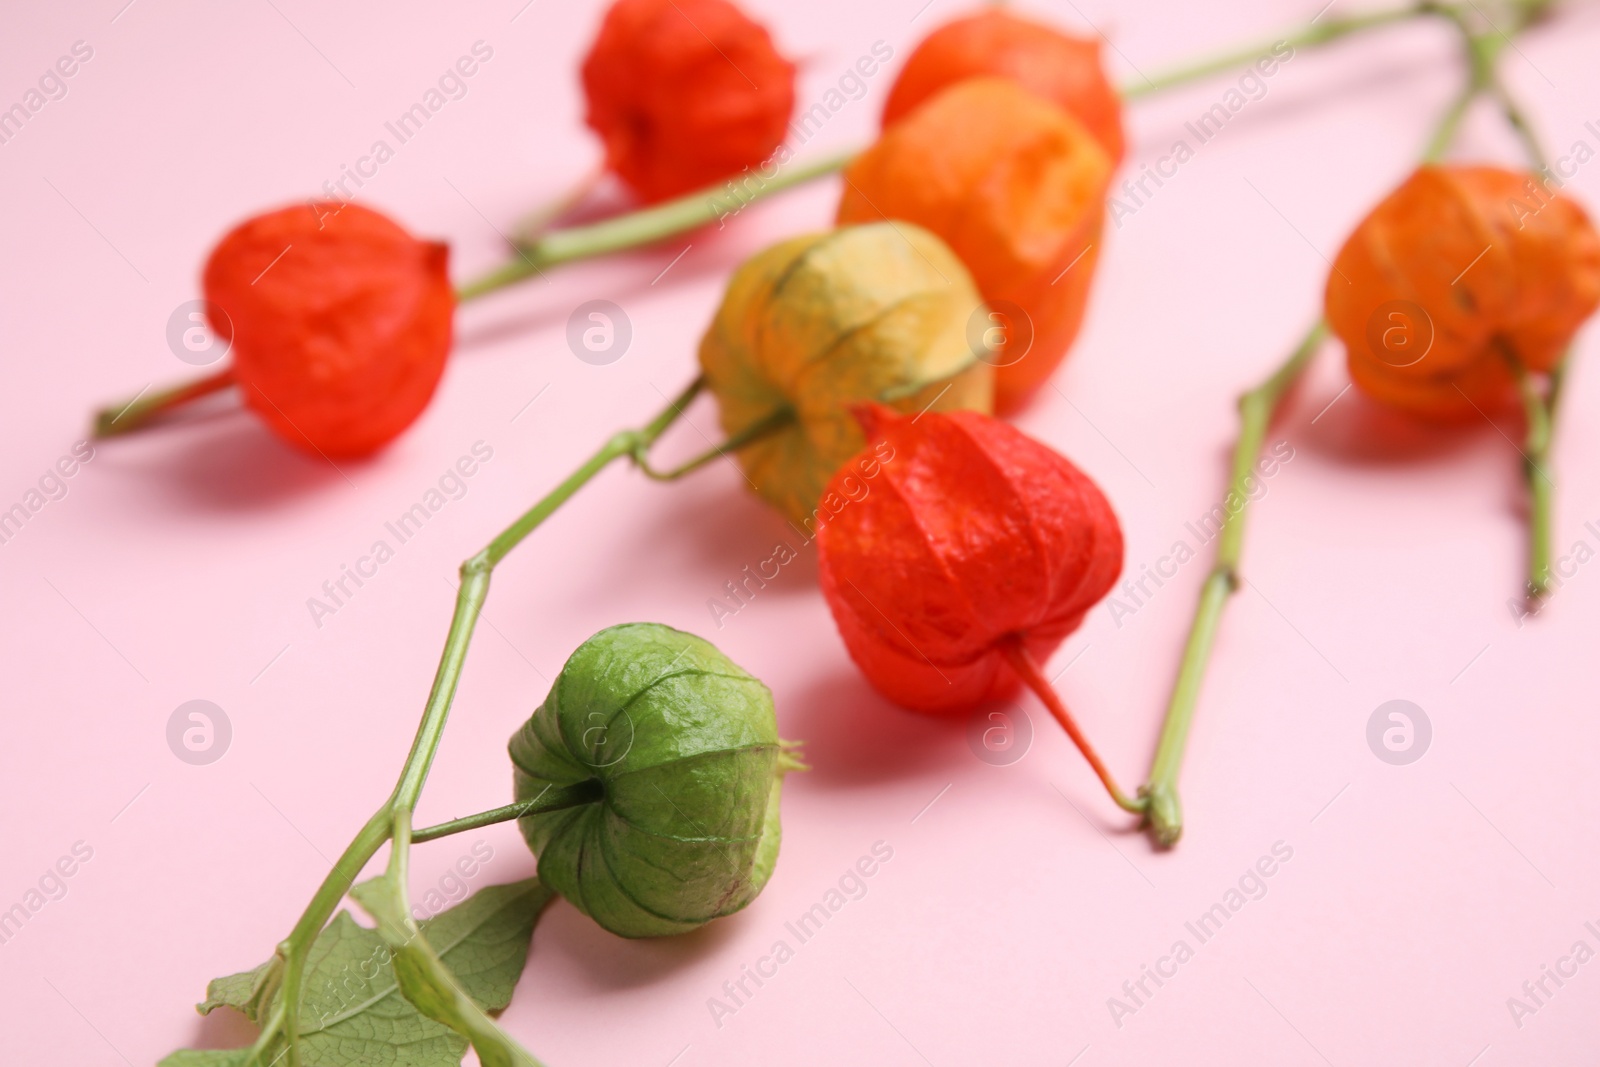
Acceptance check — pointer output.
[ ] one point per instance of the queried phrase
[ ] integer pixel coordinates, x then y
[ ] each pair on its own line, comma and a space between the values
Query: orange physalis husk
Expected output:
1457, 276
1063, 69
1016, 186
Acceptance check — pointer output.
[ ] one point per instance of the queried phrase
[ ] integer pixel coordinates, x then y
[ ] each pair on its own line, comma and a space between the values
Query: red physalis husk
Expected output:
974, 545
340, 323
685, 93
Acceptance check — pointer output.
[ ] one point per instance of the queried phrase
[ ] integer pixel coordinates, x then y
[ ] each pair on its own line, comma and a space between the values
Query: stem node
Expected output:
1163, 813
1229, 575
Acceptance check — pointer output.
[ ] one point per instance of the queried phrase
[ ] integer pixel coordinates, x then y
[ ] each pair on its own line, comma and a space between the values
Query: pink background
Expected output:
1380, 563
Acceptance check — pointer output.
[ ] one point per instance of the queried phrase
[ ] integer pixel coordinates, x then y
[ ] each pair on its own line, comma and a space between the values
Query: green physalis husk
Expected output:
818, 324
681, 746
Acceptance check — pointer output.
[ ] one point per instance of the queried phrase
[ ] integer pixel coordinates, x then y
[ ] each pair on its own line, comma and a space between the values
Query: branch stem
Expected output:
393, 819
1164, 813
551, 799
1520, 124
1256, 408
1310, 36
718, 202
1032, 676
1539, 410
539, 249
714, 203
133, 414
774, 422
1540, 416
1444, 134
539, 221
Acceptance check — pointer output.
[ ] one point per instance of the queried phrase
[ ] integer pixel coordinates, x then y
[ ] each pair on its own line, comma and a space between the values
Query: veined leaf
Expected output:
352, 1011
221, 1057
429, 985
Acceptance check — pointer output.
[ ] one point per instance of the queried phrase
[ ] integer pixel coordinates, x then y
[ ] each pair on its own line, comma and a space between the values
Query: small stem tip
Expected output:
146, 407
1163, 813
1027, 668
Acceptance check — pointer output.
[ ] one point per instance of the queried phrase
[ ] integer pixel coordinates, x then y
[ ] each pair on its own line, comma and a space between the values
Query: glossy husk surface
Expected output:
971, 533
684, 747
340, 323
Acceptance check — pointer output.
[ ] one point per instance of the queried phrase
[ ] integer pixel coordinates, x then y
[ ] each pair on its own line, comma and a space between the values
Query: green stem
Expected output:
1539, 413
396, 812
1164, 812
539, 249
132, 414
627, 443
292, 953
551, 799
1522, 127
420, 972
1482, 54
1444, 134
537, 223
714, 203
1558, 378
1310, 36
1539, 410
754, 432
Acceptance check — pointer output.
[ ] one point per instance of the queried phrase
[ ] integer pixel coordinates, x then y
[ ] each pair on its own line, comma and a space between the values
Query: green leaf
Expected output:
352, 1010
430, 986
240, 992
223, 1057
